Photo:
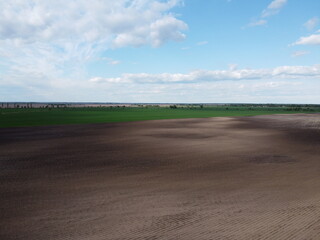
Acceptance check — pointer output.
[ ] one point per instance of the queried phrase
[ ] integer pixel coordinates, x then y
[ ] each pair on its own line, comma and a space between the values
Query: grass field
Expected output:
17, 117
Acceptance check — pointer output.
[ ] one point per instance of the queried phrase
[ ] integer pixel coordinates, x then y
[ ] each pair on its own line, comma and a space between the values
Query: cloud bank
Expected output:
283, 72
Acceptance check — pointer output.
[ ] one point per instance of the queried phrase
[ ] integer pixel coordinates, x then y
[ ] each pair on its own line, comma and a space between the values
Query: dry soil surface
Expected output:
214, 178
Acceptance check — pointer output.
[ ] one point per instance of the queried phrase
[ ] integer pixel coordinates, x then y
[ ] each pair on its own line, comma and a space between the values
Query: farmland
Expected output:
202, 178
17, 117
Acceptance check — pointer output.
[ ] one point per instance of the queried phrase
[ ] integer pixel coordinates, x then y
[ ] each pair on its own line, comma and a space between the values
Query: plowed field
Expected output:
214, 178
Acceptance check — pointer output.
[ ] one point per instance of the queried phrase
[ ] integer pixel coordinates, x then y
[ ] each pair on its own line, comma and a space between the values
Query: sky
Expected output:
160, 51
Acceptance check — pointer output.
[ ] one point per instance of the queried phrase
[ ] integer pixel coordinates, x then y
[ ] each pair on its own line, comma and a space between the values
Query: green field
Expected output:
17, 117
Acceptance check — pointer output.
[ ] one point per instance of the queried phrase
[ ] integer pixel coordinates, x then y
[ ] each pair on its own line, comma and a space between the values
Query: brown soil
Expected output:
214, 178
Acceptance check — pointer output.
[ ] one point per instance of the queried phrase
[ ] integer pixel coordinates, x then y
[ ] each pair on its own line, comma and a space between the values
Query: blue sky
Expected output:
214, 51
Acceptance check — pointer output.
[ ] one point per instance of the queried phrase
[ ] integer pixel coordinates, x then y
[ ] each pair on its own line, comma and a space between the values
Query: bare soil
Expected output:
214, 178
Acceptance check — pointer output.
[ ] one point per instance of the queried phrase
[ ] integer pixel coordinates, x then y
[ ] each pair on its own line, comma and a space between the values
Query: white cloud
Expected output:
277, 4
111, 61
273, 8
313, 39
114, 62
167, 28
233, 66
202, 43
32, 21
156, 34
258, 23
299, 53
311, 23
55, 39
283, 72
276, 90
